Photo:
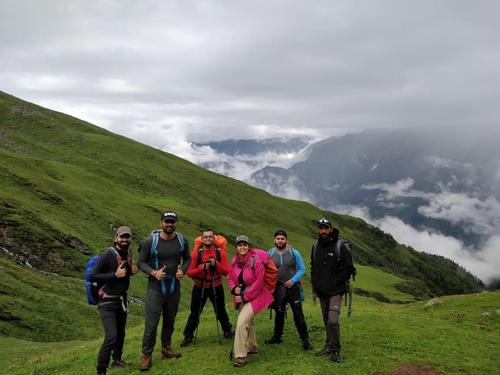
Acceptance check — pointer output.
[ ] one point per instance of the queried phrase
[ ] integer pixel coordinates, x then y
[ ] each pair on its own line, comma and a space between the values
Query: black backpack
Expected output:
341, 242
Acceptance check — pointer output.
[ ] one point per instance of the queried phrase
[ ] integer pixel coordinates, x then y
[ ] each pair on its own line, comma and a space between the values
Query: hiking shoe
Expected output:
336, 357
187, 341
167, 352
273, 340
253, 351
118, 363
306, 344
228, 334
239, 362
145, 362
324, 352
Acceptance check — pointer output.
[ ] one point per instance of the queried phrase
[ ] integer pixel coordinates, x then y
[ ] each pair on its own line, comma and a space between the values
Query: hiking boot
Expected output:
187, 341
306, 344
228, 334
253, 351
336, 357
239, 362
118, 363
145, 362
167, 352
324, 352
273, 340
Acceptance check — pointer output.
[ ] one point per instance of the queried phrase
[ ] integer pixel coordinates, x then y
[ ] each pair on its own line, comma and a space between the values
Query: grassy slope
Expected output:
454, 338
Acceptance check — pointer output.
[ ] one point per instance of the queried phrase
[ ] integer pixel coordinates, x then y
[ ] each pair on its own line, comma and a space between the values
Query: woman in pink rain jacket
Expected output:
246, 281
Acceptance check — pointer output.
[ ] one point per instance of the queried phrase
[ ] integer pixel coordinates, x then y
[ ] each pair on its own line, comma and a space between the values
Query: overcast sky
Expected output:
209, 70
167, 73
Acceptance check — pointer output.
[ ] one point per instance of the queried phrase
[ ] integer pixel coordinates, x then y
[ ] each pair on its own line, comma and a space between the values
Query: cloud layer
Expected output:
216, 70
483, 262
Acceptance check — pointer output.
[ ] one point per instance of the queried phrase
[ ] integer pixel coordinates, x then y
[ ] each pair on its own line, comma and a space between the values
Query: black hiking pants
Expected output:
157, 305
330, 308
292, 298
198, 302
113, 320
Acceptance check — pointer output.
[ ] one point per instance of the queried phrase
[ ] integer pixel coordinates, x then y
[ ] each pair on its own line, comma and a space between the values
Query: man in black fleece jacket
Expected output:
112, 270
331, 268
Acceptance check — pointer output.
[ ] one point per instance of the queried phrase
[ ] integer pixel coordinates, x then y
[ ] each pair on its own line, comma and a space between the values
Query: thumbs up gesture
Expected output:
179, 274
121, 271
159, 274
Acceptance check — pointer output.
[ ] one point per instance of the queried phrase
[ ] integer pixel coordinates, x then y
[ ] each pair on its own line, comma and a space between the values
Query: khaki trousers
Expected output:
245, 338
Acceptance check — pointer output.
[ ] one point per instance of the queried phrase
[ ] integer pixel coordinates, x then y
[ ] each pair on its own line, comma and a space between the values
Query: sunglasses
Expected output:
169, 221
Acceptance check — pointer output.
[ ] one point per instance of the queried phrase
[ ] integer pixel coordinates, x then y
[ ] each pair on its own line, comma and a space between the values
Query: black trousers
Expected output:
290, 296
113, 320
157, 305
198, 303
330, 308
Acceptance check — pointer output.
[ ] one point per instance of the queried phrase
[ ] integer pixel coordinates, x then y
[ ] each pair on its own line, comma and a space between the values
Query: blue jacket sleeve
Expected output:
301, 268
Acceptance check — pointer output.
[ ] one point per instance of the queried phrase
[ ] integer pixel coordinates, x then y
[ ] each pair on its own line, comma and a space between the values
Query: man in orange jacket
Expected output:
208, 265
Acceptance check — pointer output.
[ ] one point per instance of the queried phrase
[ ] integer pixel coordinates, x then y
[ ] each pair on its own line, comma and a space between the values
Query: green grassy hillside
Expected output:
453, 338
65, 184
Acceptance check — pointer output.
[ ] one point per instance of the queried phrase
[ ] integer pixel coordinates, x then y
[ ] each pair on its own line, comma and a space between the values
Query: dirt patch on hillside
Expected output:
413, 369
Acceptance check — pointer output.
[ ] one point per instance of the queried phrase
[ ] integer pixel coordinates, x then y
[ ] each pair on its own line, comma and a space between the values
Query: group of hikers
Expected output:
257, 280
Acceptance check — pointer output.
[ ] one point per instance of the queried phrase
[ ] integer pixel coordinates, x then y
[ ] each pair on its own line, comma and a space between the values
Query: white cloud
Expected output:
481, 216
398, 189
474, 214
484, 262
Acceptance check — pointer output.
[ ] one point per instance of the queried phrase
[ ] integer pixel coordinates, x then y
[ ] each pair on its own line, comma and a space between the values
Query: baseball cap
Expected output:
169, 215
324, 221
280, 232
123, 230
241, 238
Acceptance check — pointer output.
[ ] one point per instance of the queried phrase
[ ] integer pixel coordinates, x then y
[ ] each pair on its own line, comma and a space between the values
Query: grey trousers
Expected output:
330, 308
157, 305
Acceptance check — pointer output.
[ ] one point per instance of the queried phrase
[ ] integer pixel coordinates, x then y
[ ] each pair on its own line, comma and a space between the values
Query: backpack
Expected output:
338, 246
219, 244
154, 253
92, 288
271, 272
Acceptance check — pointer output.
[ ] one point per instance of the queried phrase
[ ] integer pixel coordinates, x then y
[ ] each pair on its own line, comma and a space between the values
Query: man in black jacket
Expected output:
331, 268
112, 270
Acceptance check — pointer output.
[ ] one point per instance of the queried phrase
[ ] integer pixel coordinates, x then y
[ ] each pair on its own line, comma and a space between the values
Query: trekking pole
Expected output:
215, 307
201, 304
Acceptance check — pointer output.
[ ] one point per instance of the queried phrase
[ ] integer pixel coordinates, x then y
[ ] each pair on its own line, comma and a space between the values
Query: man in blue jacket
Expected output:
288, 290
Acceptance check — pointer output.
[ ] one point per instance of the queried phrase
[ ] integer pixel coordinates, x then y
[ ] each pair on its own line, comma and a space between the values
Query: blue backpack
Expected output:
154, 253
91, 288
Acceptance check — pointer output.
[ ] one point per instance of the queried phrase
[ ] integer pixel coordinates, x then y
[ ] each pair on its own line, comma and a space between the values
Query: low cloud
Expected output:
473, 214
483, 263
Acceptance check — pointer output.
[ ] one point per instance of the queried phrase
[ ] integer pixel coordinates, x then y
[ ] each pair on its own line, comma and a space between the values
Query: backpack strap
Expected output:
100, 292
315, 248
218, 255
154, 255
181, 240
